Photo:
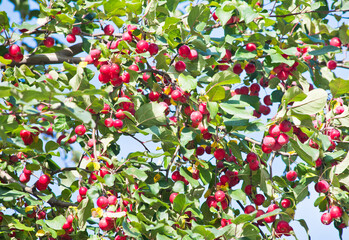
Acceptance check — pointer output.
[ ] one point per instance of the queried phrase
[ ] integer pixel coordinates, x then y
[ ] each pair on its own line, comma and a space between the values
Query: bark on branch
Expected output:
65, 55
53, 202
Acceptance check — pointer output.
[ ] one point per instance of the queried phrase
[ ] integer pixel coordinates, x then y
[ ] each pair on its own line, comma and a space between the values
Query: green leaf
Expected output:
111, 7
212, 108
300, 192
187, 175
236, 111
205, 175
64, 18
84, 212
172, 4
56, 223
266, 186
242, 218
187, 82
51, 146
179, 203
246, 12
4, 20
305, 152
187, 135
313, 103
251, 100
324, 50
151, 114
5, 91
237, 194
137, 173
339, 87
343, 165
223, 78
179, 187
243, 54
223, 16
293, 94
132, 232
278, 58
305, 226
109, 180
269, 214
13, 222
75, 82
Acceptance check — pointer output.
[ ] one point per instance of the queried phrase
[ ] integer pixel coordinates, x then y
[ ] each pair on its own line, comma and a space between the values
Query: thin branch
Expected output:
138, 141
122, 165
172, 160
94, 144
69, 169
298, 13
272, 10
164, 74
31, 190
243, 209
271, 173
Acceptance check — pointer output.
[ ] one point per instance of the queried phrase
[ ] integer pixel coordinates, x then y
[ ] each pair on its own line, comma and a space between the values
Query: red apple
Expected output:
49, 42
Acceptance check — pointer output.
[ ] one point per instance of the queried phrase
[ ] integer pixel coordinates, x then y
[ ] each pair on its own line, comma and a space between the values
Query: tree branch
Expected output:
65, 55
53, 202
69, 169
171, 162
138, 141
243, 209
298, 13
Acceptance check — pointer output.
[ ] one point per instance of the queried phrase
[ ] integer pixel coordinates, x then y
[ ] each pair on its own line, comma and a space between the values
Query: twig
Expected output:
271, 173
122, 165
52, 201
164, 74
272, 10
94, 144
172, 160
243, 209
298, 13
69, 169
137, 141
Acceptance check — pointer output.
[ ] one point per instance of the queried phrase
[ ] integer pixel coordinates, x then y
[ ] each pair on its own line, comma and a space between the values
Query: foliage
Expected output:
203, 119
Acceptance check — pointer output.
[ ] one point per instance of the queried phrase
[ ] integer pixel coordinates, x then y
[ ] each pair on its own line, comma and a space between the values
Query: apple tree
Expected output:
223, 89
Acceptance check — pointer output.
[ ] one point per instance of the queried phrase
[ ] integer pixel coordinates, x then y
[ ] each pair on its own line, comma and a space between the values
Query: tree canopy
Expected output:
224, 89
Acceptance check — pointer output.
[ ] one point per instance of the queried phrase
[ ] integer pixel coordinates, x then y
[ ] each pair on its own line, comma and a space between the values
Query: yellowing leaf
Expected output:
208, 193
93, 166
290, 212
36, 139
40, 233
83, 64
29, 208
167, 90
96, 212
157, 177
173, 102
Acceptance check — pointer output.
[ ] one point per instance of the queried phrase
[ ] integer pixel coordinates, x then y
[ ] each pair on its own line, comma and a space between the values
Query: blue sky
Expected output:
305, 210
